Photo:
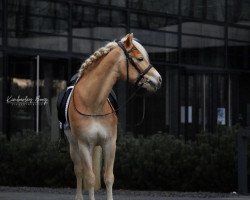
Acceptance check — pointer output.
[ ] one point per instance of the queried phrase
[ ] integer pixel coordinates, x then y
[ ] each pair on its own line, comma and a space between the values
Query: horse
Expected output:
93, 120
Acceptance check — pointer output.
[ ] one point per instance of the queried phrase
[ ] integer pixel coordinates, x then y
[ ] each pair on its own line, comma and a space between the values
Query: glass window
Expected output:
32, 24
2, 101
87, 46
202, 51
162, 54
156, 38
173, 89
39, 16
238, 12
53, 76
38, 41
153, 22
203, 29
1, 21
221, 94
98, 23
239, 34
154, 121
82, 46
22, 85
37, 24
166, 6
204, 9
121, 3
238, 55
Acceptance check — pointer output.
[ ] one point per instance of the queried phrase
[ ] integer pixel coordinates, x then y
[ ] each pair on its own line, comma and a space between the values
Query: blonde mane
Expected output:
95, 56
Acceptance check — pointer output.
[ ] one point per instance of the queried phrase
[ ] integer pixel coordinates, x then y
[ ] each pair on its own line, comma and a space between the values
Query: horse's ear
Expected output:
128, 40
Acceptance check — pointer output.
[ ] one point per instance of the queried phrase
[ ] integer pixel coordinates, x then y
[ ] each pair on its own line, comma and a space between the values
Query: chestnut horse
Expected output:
92, 119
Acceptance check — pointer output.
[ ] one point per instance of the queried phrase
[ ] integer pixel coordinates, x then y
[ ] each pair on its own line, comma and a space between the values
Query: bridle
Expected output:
130, 60
137, 83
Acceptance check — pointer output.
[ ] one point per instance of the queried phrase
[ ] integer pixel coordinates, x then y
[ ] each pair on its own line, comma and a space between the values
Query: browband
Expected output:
129, 58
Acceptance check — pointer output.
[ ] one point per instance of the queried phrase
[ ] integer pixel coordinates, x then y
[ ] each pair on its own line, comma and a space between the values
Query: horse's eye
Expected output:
140, 59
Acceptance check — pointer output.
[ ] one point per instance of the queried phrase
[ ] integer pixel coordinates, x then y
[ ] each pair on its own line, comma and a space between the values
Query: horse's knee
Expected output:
78, 170
89, 179
109, 178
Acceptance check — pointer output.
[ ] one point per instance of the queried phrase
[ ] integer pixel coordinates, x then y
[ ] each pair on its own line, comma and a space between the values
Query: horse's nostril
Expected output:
160, 80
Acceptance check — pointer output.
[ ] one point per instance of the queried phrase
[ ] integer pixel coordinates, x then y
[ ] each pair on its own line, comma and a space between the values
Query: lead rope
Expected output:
143, 111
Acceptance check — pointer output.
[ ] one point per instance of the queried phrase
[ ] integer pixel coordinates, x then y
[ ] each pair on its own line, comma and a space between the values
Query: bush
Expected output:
164, 162
33, 160
158, 162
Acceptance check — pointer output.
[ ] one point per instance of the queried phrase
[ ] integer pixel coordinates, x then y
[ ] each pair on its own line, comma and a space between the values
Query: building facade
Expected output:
200, 47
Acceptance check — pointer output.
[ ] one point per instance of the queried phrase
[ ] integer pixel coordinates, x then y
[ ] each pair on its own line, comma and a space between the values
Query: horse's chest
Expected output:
96, 131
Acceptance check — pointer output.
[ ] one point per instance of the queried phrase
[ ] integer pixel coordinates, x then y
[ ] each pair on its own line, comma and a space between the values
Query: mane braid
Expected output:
95, 56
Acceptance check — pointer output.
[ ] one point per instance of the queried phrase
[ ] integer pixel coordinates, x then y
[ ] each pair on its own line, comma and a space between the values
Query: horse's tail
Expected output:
97, 163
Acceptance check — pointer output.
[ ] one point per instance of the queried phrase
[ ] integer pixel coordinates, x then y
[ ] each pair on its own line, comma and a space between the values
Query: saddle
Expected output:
64, 98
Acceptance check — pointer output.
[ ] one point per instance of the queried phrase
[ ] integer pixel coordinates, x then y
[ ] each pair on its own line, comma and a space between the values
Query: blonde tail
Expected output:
97, 165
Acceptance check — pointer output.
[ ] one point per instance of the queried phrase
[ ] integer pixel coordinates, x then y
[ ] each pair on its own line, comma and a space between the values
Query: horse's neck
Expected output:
94, 86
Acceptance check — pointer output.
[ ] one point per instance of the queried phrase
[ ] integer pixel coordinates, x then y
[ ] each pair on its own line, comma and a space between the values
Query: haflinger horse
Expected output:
93, 121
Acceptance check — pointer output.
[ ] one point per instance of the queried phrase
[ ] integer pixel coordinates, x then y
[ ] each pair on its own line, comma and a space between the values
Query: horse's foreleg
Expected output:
109, 156
86, 152
78, 171
75, 157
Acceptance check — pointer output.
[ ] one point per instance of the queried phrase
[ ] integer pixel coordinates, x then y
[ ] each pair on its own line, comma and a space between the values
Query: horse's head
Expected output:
138, 68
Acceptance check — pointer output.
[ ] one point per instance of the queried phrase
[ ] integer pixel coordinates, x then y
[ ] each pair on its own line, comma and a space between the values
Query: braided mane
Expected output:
95, 56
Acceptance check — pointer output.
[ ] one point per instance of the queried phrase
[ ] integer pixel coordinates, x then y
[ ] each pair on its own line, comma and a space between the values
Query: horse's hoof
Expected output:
79, 198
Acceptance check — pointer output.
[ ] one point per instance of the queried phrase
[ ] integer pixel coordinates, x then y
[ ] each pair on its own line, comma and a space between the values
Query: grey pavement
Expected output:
68, 194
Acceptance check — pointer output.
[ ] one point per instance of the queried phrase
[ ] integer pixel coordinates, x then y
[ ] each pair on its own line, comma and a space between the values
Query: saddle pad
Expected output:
62, 104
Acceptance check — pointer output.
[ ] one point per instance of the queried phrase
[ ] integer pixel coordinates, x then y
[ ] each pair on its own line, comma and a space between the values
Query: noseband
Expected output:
130, 60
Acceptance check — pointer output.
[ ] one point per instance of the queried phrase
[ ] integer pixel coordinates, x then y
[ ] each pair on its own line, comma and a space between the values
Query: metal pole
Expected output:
229, 101
37, 91
204, 102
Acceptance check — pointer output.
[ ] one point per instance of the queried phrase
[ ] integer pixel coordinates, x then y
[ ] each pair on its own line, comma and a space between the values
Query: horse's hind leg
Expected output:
75, 157
86, 152
109, 149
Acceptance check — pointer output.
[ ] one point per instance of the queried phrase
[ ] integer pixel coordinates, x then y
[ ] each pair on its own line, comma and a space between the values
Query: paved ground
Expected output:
25, 193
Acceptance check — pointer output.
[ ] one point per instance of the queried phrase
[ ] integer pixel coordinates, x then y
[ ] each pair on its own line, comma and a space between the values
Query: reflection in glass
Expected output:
156, 38
39, 41
40, 16
153, 22
1, 94
238, 12
238, 55
208, 9
239, 34
166, 6
28, 21
202, 51
22, 72
121, 3
198, 28
162, 54
53, 76
87, 20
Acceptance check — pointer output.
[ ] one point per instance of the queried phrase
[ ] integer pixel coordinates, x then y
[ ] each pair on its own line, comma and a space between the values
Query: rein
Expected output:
140, 77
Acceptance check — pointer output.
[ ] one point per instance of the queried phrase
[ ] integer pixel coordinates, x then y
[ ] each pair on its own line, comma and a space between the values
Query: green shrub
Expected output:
158, 162
33, 160
164, 162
